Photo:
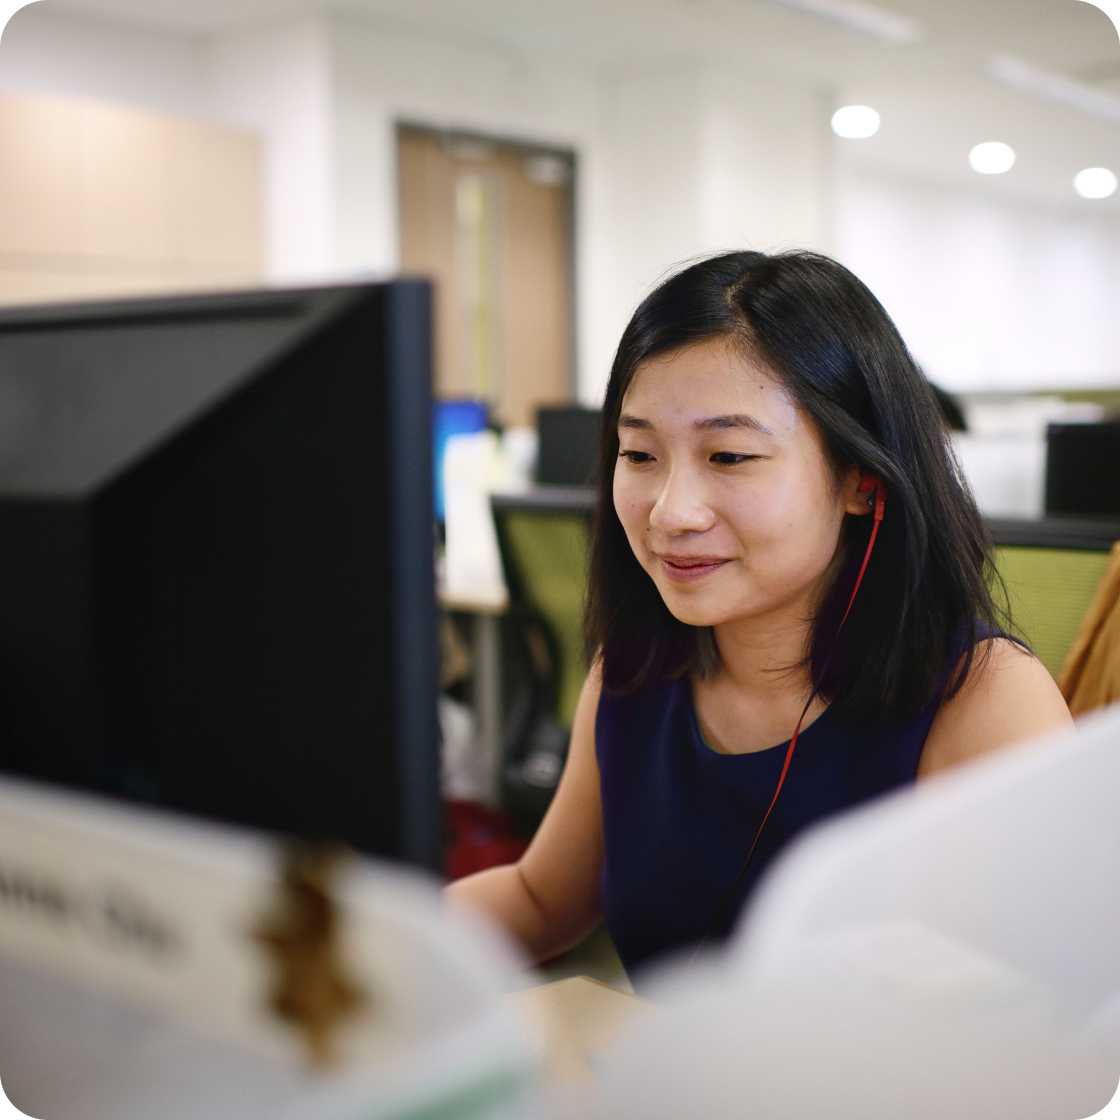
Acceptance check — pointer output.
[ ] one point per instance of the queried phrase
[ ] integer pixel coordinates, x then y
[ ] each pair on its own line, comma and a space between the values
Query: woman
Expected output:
789, 602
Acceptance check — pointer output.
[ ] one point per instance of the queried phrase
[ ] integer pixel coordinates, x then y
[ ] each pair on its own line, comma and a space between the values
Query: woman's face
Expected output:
724, 490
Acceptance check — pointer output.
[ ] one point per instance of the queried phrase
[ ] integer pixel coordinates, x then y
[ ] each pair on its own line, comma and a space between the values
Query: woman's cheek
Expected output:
777, 509
627, 503
628, 512
763, 515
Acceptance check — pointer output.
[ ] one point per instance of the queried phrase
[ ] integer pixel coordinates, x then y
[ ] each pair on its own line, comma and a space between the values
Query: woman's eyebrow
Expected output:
737, 420
710, 423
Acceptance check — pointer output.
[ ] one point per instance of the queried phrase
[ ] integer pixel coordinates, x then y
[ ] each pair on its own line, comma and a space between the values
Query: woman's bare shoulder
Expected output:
1008, 697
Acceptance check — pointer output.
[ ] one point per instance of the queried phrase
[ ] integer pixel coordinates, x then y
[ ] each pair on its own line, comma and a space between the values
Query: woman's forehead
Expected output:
709, 379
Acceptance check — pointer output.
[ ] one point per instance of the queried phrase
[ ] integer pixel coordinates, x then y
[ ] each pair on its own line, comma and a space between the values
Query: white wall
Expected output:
989, 294
696, 161
767, 164
279, 82
44, 52
649, 213
669, 165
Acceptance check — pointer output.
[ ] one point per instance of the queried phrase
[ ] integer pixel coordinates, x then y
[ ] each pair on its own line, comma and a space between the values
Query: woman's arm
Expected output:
549, 900
1008, 697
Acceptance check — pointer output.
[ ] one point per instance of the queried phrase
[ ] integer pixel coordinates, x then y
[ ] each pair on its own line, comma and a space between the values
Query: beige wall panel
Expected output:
124, 185
101, 200
49, 286
213, 188
18, 287
40, 172
45, 286
207, 276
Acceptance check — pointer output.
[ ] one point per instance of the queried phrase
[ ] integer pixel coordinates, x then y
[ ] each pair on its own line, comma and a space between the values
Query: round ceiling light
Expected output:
991, 158
855, 122
1095, 182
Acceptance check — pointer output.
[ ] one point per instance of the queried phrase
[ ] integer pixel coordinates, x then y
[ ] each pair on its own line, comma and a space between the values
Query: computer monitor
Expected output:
567, 444
1081, 474
216, 581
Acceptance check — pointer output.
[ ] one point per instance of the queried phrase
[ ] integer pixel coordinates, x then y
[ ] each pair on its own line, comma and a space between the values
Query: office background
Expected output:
549, 163
675, 128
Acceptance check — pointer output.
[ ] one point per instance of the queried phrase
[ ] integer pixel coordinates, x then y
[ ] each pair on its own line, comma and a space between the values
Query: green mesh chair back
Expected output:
1052, 569
543, 537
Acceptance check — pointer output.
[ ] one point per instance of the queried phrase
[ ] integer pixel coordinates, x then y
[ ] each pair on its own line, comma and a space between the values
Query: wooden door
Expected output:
491, 223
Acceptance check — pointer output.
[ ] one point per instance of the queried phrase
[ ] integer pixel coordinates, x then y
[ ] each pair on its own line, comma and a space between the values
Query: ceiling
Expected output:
935, 94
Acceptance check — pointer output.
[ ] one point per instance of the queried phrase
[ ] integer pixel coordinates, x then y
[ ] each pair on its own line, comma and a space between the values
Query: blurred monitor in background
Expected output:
567, 444
1083, 468
216, 588
1003, 453
453, 418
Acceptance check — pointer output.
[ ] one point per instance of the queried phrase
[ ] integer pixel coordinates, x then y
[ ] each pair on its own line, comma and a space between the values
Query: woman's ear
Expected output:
856, 500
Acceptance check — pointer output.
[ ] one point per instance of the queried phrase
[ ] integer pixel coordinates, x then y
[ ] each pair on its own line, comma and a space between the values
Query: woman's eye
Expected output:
636, 457
731, 458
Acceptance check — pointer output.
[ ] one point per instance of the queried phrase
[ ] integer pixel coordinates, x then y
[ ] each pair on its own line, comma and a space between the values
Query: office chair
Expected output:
543, 537
1051, 568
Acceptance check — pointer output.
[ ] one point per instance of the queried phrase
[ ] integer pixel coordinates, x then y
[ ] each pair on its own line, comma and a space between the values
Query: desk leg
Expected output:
488, 700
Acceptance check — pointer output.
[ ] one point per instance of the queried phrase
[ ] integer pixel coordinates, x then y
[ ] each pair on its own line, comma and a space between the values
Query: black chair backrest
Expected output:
543, 538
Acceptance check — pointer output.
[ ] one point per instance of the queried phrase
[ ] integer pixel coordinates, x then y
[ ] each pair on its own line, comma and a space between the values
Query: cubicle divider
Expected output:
1052, 568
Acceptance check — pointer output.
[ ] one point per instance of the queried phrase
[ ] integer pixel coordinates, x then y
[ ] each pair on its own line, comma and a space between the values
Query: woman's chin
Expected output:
693, 614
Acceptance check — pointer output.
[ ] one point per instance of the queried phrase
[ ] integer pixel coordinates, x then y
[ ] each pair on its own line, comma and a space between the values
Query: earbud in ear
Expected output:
872, 486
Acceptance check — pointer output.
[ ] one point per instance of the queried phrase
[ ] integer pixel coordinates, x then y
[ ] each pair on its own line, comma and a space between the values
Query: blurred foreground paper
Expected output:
133, 982
952, 951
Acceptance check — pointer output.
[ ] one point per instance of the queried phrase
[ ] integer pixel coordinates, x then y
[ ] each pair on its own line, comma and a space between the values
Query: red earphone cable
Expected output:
880, 508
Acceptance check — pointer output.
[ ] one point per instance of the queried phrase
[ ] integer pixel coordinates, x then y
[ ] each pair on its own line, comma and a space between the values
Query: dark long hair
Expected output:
926, 595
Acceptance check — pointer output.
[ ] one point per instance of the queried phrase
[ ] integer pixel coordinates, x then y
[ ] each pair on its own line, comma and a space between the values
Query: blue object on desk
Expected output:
453, 418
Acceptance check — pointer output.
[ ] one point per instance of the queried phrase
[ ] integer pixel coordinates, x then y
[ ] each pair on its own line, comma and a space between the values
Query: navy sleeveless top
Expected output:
679, 818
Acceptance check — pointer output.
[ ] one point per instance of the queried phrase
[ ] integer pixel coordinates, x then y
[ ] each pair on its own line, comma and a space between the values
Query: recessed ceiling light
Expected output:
991, 158
1095, 182
855, 122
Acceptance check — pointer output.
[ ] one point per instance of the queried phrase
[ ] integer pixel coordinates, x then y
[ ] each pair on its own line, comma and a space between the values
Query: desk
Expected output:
576, 1017
485, 605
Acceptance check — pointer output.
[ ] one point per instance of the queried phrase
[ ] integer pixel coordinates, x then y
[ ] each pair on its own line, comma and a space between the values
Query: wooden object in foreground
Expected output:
577, 1017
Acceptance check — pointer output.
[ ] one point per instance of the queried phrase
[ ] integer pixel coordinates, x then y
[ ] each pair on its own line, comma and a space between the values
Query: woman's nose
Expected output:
680, 507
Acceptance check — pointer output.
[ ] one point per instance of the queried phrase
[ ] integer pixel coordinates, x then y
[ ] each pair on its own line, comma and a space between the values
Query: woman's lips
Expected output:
687, 569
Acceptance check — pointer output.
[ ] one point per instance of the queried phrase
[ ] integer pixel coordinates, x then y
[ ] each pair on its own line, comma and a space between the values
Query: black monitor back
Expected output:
1083, 469
216, 590
567, 445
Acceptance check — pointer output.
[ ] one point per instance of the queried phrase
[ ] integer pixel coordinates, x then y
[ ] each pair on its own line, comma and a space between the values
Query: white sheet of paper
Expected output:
131, 984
